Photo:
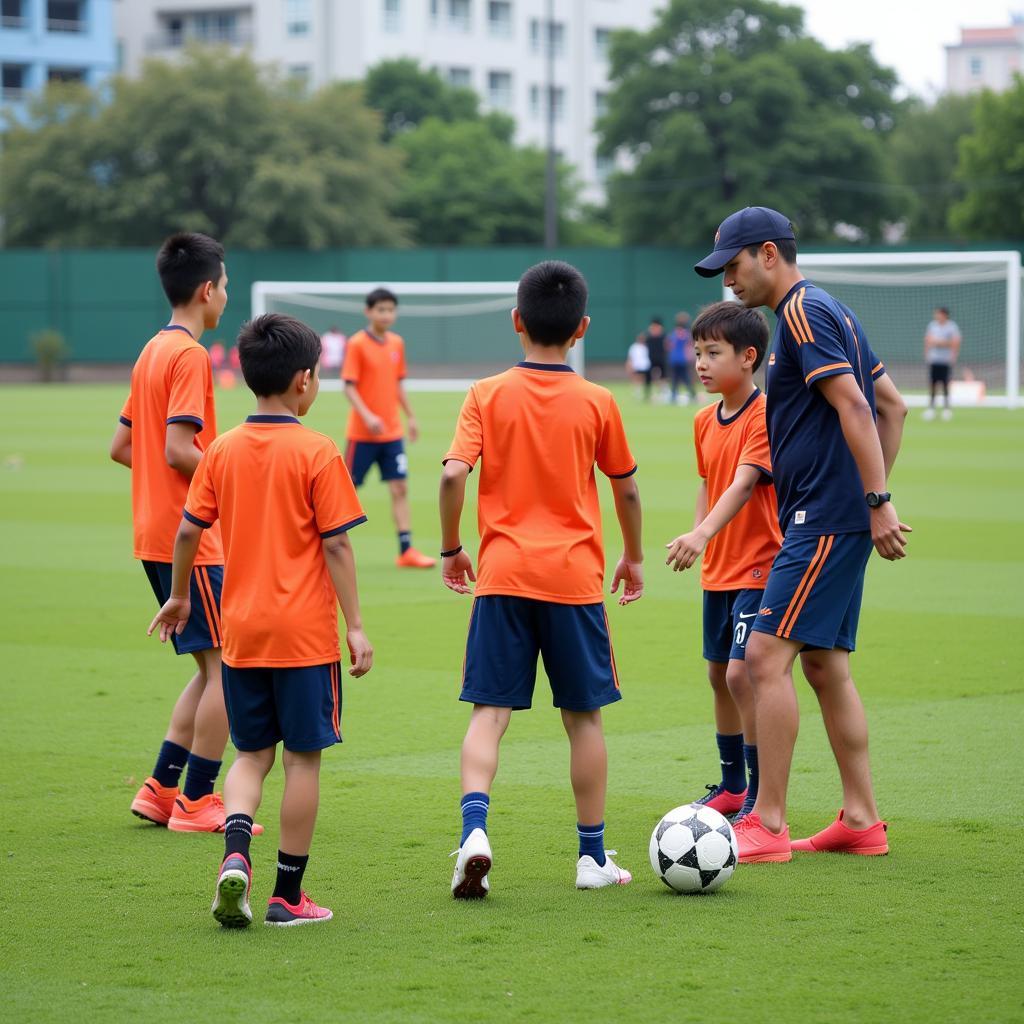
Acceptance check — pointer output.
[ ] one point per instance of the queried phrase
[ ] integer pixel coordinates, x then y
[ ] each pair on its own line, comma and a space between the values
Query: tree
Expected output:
406, 94
209, 144
991, 168
721, 106
923, 150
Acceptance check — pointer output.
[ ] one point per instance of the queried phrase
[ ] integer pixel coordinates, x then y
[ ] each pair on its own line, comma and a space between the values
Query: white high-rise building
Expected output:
497, 47
986, 58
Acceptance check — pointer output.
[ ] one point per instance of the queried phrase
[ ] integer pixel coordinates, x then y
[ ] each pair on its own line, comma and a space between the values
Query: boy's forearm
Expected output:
352, 394
630, 516
341, 564
403, 401
186, 547
733, 498
701, 511
451, 499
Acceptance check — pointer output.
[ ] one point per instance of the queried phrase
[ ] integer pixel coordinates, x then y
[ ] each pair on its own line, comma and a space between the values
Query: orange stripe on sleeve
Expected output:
793, 325
880, 366
825, 369
796, 594
810, 585
802, 315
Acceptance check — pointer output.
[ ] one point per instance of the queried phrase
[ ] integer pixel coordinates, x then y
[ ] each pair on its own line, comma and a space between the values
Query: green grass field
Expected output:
107, 919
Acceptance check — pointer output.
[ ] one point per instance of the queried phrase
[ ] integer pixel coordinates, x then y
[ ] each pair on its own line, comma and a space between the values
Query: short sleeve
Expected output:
755, 451
468, 443
351, 363
201, 503
335, 503
126, 411
614, 458
190, 383
702, 469
401, 360
818, 337
877, 366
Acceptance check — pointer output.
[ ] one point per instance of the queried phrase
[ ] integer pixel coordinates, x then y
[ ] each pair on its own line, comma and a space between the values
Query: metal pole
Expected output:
551, 168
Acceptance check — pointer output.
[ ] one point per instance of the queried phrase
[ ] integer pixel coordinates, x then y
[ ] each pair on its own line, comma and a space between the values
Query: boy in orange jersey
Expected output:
373, 372
166, 424
285, 503
539, 430
736, 528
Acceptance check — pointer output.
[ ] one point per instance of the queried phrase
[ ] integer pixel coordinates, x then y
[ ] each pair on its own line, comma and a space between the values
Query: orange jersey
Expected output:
172, 382
376, 366
739, 556
277, 489
539, 429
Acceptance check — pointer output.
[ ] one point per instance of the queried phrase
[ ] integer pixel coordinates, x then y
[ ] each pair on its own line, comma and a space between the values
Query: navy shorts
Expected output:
507, 633
389, 455
729, 616
300, 707
202, 631
814, 589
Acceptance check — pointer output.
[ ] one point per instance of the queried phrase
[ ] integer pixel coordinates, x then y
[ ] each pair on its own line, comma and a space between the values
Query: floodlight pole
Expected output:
551, 168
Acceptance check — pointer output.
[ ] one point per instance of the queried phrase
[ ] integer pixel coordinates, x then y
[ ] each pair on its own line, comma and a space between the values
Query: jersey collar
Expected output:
726, 420
178, 327
802, 283
268, 418
557, 367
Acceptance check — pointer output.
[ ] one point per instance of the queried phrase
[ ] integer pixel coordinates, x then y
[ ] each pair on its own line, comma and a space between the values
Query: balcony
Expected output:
13, 21
175, 40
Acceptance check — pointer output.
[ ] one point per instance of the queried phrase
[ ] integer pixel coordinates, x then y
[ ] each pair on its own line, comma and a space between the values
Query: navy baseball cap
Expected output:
750, 226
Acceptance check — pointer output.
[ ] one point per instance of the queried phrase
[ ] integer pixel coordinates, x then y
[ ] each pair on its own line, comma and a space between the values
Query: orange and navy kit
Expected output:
172, 382
277, 490
738, 558
538, 431
816, 583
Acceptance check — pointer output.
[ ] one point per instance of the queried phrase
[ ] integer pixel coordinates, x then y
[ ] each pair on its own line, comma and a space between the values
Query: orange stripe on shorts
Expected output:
796, 594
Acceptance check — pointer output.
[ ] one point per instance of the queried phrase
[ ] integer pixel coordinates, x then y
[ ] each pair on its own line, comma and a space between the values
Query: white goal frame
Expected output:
262, 291
1010, 257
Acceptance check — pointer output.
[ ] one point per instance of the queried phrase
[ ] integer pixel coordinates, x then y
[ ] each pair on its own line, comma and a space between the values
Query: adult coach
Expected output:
830, 459
941, 348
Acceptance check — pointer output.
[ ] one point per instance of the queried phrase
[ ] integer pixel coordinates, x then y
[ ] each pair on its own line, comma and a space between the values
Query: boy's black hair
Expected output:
187, 260
942, 309
657, 320
272, 348
786, 247
380, 295
729, 321
552, 300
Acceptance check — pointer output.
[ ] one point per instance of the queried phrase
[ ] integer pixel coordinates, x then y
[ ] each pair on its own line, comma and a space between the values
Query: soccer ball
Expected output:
694, 849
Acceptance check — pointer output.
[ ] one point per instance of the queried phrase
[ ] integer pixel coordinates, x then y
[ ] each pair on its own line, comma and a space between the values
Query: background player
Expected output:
941, 349
285, 502
373, 372
539, 430
680, 358
830, 462
166, 423
737, 524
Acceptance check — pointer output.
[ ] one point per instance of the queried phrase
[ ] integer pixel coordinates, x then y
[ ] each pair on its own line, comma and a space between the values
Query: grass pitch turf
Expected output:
107, 919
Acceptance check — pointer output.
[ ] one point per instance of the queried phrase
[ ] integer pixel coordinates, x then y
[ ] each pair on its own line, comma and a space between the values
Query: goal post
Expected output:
894, 295
455, 331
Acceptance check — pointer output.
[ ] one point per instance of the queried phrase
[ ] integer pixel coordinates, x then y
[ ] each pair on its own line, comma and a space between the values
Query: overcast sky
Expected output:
908, 35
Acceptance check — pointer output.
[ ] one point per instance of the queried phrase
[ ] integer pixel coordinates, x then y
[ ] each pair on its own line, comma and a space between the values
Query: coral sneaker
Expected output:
231, 903
284, 914
760, 846
718, 798
154, 802
840, 838
413, 559
203, 815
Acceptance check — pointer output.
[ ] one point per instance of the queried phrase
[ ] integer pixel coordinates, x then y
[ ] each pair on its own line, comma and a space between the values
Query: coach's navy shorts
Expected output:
202, 631
507, 633
389, 455
728, 618
300, 707
814, 589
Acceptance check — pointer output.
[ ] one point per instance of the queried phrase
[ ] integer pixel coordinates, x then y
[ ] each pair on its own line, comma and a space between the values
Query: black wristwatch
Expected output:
876, 498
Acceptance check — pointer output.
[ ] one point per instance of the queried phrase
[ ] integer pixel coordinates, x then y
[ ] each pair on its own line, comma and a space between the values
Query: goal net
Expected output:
894, 296
455, 332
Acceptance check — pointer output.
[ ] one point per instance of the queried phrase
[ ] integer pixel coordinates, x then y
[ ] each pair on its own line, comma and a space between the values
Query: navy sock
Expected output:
592, 841
237, 835
169, 764
730, 754
201, 775
750, 756
404, 541
474, 813
290, 870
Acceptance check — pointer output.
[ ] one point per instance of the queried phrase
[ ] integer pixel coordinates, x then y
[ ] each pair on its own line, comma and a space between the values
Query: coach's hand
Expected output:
631, 574
360, 651
685, 550
888, 533
454, 573
172, 618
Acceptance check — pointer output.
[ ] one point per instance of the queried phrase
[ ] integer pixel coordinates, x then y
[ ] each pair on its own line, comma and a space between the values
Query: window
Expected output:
66, 75
499, 17
602, 37
299, 72
13, 80
392, 13
499, 89
976, 67
459, 15
65, 15
215, 26
460, 77
600, 104
12, 14
556, 100
555, 31
297, 17
435, 12
603, 167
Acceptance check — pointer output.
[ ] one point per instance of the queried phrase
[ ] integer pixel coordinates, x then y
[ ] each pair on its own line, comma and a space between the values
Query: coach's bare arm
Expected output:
892, 411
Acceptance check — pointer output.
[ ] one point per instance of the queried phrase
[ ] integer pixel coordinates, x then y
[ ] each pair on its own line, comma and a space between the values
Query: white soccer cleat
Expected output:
947, 414
469, 882
591, 875
928, 414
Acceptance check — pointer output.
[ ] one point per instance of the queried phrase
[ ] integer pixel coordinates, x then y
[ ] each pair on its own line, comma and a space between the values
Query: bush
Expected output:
51, 351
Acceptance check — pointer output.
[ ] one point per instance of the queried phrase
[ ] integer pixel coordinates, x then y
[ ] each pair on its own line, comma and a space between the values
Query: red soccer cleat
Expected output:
718, 798
413, 559
760, 846
840, 838
154, 802
283, 914
206, 814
